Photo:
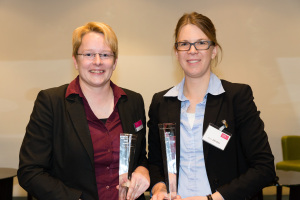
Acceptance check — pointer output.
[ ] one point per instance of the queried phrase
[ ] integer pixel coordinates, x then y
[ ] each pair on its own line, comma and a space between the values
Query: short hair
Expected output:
202, 22
110, 37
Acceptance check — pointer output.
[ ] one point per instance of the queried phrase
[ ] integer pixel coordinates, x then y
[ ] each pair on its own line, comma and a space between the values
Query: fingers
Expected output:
160, 196
160, 192
131, 188
134, 190
123, 186
138, 186
122, 193
137, 191
177, 197
123, 178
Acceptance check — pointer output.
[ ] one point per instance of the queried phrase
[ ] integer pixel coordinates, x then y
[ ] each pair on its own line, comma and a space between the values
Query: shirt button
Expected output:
107, 167
108, 150
107, 187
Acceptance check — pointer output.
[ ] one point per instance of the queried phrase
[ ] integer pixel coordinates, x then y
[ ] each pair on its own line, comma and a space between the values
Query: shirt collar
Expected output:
74, 88
214, 88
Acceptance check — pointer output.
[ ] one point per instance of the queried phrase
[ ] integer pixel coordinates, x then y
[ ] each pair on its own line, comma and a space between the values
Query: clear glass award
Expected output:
127, 148
167, 133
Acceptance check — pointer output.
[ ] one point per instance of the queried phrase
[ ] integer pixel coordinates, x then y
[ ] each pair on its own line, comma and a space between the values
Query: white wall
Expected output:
260, 40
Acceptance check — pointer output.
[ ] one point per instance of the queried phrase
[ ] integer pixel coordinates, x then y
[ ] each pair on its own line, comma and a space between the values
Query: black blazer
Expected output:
56, 156
245, 166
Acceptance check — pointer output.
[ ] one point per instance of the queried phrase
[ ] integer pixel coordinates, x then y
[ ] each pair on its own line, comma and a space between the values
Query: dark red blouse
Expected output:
106, 142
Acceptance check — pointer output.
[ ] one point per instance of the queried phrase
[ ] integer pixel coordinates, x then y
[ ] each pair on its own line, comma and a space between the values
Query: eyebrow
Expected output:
195, 41
92, 50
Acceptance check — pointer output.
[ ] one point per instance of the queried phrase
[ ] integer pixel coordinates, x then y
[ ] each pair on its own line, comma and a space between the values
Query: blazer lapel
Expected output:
212, 111
174, 106
128, 117
76, 111
125, 116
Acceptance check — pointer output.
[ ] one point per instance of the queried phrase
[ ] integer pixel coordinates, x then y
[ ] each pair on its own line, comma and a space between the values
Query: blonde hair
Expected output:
110, 37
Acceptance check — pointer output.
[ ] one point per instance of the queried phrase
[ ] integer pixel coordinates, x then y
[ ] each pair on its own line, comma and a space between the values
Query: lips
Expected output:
193, 61
97, 71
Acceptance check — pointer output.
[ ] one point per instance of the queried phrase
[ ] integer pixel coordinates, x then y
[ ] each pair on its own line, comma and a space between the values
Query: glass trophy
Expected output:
127, 148
167, 132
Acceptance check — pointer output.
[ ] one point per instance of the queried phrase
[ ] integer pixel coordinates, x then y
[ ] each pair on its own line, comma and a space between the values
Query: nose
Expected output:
193, 49
97, 60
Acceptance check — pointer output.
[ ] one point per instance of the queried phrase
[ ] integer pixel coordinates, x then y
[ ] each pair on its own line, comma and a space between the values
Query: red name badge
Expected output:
138, 125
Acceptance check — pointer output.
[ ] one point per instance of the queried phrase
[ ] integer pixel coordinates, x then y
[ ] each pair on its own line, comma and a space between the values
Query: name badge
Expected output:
138, 125
216, 136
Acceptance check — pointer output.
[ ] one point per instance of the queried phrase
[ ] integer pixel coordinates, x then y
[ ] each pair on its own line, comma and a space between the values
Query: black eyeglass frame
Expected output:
210, 43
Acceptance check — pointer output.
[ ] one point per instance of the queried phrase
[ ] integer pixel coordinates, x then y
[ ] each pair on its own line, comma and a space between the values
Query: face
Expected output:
195, 63
94, 72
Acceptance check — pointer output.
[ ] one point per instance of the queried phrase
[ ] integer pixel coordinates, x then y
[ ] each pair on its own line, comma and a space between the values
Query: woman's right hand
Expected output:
159, 192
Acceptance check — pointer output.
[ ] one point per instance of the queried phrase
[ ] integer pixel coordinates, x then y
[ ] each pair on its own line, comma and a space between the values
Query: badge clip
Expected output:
225, 125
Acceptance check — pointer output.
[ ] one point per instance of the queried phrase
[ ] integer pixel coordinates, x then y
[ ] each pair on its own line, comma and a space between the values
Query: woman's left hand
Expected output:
140, 181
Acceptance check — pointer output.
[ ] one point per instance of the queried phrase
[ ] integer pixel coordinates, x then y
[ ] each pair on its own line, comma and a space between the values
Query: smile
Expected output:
193, 61
97, 71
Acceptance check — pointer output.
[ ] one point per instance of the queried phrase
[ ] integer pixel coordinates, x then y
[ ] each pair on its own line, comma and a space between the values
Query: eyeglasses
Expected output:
91, 56
201, 45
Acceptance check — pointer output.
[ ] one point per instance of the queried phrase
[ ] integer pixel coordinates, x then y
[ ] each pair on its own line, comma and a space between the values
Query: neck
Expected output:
100, 93
100, 99
195, 89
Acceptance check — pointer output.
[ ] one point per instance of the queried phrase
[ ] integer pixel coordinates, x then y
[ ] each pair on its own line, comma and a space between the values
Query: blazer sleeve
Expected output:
255, 161
34, 171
